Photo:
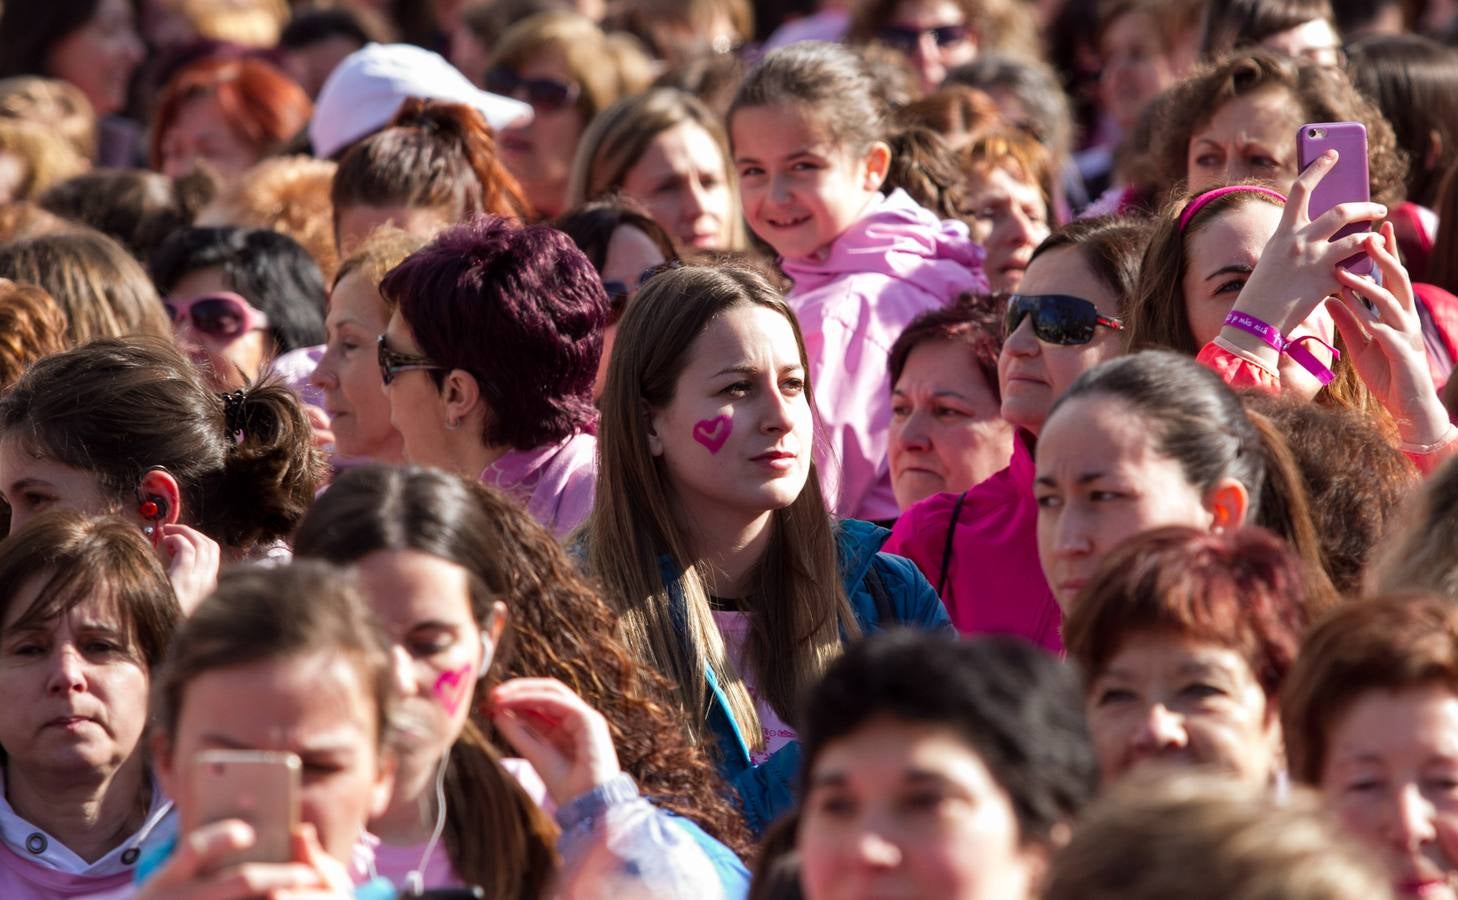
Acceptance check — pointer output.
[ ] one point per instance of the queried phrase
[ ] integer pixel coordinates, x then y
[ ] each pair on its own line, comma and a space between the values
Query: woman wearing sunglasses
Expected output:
238, 298
488, 362
1240, 276
936, 36
626, 246
568, 70
980, 547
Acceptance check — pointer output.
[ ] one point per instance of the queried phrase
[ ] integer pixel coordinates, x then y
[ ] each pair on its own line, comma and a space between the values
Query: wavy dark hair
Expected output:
558, 626
521, 310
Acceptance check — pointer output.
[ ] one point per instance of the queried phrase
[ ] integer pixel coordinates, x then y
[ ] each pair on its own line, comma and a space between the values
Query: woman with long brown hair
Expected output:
475, 592
710, 534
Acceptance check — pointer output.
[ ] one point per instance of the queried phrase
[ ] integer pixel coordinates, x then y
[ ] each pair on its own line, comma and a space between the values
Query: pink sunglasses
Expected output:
223, 315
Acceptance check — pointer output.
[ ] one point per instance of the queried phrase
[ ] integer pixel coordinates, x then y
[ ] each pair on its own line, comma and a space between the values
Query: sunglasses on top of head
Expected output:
907, 40
393, 362
543, 94
1058, 318
223, 315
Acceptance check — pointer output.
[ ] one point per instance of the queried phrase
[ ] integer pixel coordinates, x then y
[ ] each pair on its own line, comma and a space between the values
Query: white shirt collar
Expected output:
27, 841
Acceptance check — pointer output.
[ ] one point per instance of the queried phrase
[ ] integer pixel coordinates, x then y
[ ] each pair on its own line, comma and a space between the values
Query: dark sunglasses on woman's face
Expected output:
544, 94
619, 292
393, 362
224, 315
1058, 318
908, 39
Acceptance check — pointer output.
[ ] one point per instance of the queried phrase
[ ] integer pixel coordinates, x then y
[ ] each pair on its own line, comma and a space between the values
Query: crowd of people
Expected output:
628, 449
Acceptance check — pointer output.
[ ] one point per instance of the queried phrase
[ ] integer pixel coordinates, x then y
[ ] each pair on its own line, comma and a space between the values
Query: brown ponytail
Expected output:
119, 408
926, 167
496, 836
1283, 508
434, 155
271, 469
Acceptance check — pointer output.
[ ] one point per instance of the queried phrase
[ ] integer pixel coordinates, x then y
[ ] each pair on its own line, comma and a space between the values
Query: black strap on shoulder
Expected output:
885, 612
947, 548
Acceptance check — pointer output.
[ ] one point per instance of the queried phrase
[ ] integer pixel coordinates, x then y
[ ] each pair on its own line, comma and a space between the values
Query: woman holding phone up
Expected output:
302, 646
1241, 277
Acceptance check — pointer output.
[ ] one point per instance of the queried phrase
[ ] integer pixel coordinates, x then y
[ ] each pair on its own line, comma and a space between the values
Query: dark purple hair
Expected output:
519, 308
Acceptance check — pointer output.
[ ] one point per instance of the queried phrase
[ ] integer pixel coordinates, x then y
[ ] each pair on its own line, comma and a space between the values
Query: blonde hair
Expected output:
47, 156
287, 194
32, 325
637, 538
252, 23
1205, 837
594, 62
617, 138
382, 250
59, 105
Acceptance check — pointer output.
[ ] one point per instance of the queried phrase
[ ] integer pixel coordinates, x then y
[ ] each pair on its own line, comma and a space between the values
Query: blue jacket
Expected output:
767, 790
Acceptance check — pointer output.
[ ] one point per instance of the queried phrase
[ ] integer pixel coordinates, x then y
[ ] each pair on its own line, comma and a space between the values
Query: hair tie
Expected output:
1203, 200
233, 414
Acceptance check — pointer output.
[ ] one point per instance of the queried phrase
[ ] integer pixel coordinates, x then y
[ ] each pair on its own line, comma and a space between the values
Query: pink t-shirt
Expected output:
734, 626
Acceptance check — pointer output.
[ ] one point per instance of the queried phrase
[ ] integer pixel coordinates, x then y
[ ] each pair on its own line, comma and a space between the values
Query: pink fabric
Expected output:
296, 367
21, 879
826, 25
395, 863
995, 583
555, 482
1242, 374
895, 263
734, 626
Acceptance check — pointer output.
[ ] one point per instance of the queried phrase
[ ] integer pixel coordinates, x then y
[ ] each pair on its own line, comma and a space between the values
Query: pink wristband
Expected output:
1294, 349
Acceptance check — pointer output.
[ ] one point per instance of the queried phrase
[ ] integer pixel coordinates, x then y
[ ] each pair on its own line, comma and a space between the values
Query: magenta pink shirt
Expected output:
995, 583
555, 483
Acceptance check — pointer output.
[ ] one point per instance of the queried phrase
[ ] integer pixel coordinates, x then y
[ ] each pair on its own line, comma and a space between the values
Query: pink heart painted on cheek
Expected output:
712, 433
452, 687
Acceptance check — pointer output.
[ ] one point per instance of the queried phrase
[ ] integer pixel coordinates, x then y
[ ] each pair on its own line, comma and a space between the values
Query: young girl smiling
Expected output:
807, 128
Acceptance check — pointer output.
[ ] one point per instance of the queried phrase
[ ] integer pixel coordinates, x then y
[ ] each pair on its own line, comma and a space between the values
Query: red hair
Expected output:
261, 103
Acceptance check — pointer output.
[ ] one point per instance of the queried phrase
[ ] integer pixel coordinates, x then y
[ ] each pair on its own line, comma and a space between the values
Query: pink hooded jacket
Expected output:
896, 262
988, 546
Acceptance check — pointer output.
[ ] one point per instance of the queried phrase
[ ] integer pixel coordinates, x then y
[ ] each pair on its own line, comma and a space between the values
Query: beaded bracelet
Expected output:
1294, 349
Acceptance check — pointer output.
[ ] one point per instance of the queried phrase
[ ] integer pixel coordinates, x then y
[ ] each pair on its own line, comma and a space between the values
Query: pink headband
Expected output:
1204, 199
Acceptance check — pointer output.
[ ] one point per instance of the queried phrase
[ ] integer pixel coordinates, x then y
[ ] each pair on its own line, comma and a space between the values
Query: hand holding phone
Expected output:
256, 787
1347, 182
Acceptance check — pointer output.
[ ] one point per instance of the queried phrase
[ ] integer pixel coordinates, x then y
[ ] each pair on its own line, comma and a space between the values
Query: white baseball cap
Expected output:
366, 89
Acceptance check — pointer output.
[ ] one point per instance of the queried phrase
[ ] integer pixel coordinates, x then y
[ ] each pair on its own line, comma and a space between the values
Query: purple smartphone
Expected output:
1346, 183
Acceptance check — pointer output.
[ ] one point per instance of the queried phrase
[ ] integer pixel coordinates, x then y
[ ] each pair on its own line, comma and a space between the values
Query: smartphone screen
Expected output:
258, 787
1347, 182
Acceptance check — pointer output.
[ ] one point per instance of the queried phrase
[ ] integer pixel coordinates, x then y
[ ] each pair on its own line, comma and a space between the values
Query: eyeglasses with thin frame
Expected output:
224, 315
906, 40
544, 94
1058, 318
393, 362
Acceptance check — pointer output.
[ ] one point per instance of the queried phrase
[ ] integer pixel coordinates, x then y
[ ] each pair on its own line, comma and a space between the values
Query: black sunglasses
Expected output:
392, 362
907, 39
1058, 318
544, 94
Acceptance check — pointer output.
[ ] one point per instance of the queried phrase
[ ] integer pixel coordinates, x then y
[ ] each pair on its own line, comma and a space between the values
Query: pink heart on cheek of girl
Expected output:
452, 687
712, 433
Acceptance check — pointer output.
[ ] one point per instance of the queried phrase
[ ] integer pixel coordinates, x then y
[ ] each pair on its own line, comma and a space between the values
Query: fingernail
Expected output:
1329, 155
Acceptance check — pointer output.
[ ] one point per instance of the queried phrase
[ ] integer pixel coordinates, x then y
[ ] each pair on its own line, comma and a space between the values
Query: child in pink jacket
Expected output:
805, 127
